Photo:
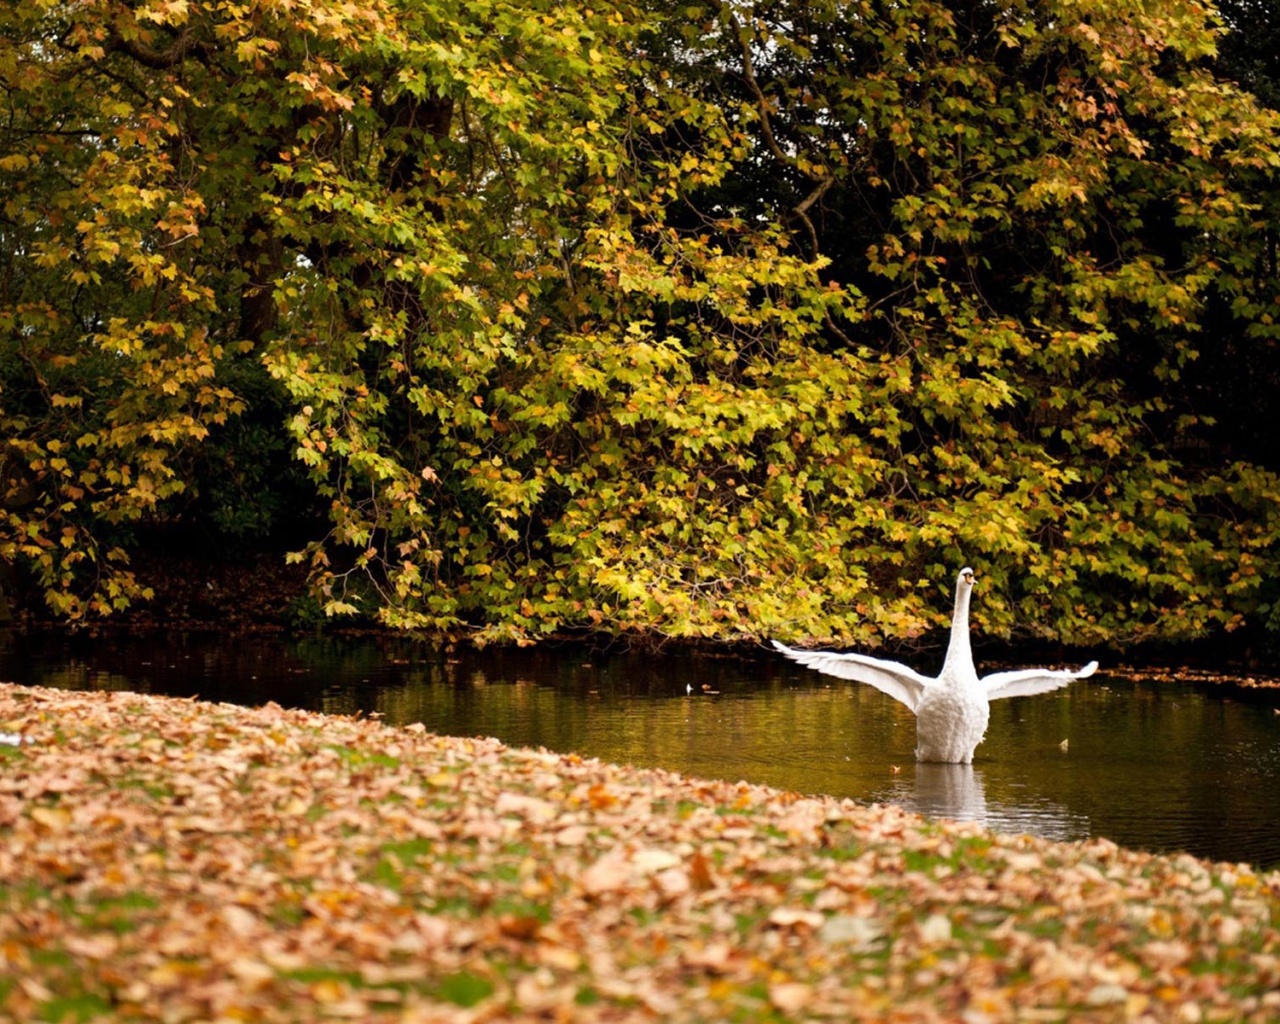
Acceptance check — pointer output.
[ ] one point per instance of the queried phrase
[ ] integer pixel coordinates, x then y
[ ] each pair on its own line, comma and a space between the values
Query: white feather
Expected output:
1027, 682
898, 681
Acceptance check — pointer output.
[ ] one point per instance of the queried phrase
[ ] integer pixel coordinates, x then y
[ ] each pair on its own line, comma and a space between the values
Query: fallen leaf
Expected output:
98, 946
519, 926
790, 997
608, 874
52, 818
790, 917
649, 861
935, 930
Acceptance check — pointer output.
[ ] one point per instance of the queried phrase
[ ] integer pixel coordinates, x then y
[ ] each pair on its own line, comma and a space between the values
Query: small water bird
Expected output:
953, 709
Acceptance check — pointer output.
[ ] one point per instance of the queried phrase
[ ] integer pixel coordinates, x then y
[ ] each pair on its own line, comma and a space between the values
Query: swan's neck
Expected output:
959, 654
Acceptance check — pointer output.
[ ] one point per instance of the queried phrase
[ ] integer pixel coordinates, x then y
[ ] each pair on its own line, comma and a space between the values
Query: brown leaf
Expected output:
608, 874
519, 926
700, 875
790, 996
790, 917
98, 946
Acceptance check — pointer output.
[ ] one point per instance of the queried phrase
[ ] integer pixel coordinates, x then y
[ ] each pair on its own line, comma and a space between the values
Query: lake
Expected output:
1161, 766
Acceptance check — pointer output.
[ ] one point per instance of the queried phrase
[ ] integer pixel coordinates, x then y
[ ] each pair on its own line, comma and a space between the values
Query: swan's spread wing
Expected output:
898, 681
1025, 682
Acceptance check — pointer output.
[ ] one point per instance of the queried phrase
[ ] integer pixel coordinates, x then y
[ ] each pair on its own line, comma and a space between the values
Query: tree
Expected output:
1048, 213
112, 317
713, 320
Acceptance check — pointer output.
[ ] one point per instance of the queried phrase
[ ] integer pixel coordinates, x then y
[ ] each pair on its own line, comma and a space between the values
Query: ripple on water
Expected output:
1161, 767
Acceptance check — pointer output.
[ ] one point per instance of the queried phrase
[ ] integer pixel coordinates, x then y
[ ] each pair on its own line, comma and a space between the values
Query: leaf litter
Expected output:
175, 860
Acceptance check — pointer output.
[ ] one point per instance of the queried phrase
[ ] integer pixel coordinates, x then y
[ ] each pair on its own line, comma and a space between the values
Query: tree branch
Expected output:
160, 60
822, 182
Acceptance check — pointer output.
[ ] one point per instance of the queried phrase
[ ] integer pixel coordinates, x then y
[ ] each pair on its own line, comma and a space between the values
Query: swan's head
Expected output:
965, 580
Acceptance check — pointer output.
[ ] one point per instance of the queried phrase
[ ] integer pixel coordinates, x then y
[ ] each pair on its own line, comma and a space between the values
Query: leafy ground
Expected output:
176, 860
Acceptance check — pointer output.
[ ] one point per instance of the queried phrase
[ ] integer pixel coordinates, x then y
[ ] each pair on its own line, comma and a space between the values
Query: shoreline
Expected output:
257, 593
175, 858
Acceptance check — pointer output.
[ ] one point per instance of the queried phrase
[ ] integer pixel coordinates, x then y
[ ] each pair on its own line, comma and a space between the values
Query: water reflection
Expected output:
1151, 765
958, 792
950, 791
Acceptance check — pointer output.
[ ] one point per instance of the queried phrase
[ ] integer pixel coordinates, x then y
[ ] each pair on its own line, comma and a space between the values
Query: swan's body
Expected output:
952, 710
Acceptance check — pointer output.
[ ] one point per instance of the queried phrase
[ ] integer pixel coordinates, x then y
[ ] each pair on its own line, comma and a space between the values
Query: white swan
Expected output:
952, 710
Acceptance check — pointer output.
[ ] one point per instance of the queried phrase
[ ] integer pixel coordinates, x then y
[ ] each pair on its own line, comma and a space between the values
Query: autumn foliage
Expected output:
702, 320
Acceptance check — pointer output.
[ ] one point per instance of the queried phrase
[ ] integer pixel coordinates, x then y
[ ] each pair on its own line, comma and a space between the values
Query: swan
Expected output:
952, 710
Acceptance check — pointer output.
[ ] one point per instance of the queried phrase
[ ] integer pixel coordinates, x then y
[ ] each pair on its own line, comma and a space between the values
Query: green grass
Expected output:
397, 858
462, 989
83, 1006
353, 758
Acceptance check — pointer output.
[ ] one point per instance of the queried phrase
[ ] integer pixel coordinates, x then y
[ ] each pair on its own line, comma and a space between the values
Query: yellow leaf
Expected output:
53, 818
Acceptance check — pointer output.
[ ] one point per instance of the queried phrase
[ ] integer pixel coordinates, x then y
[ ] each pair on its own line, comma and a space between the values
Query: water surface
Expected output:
1157, 766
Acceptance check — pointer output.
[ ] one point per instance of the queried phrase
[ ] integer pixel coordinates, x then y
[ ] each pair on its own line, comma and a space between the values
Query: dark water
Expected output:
1156, 766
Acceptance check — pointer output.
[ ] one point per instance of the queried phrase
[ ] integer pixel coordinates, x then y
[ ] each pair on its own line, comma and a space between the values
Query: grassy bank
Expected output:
175, 860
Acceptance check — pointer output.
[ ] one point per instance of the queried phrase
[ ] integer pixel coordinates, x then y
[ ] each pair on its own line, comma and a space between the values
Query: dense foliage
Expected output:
717, 320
